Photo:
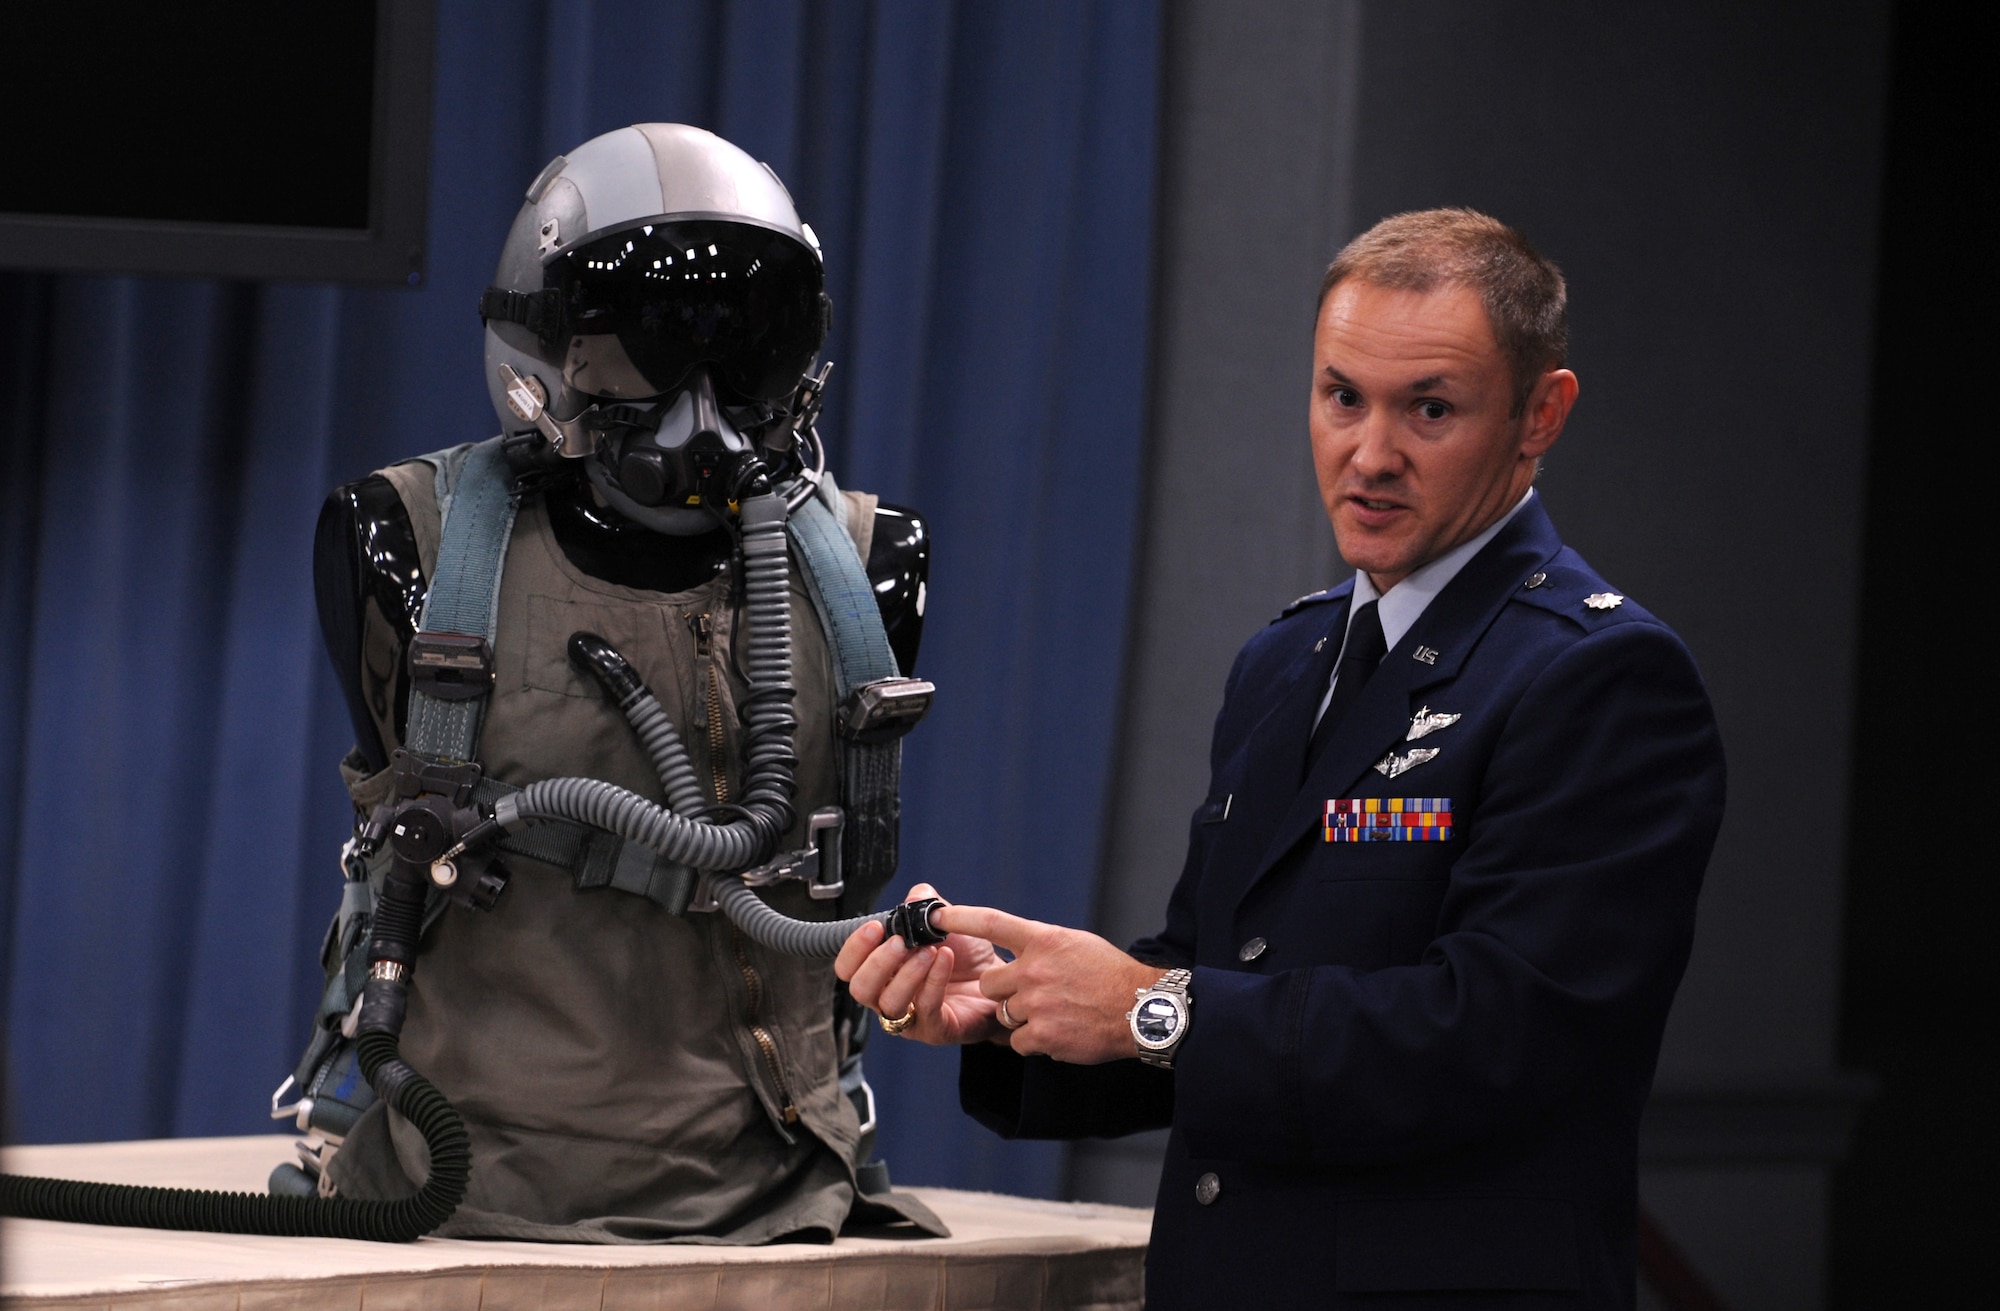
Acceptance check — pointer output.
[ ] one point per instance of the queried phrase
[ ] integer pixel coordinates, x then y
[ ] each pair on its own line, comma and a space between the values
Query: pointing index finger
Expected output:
996, 926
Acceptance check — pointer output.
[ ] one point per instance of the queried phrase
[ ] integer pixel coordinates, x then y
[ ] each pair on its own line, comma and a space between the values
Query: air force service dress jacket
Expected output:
1415, 1068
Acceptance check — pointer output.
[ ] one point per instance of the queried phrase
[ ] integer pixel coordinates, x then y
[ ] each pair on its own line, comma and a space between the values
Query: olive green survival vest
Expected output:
627, 1074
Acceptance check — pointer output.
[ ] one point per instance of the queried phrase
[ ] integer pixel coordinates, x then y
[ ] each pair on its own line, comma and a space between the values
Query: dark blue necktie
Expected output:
1359, 659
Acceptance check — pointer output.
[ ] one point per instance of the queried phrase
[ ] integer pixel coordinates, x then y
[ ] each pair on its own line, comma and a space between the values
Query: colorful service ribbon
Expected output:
1389, 819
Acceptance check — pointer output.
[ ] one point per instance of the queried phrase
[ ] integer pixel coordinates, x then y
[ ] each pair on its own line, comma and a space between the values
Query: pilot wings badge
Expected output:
1392, 764
1424, 723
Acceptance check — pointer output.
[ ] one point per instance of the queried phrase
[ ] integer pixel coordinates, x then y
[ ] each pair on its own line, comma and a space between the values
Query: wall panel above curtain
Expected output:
982, 178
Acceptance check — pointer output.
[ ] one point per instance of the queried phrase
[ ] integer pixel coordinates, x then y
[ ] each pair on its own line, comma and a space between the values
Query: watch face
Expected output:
1157, 1020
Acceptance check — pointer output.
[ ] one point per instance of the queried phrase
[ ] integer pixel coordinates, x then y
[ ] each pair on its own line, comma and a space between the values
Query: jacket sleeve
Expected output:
1562, 934
1035, 1097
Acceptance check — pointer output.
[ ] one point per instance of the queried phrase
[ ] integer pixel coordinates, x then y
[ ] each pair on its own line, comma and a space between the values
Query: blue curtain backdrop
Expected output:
982, 176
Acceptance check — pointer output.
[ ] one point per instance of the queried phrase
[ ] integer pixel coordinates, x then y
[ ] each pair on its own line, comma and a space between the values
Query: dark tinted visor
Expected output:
741, 299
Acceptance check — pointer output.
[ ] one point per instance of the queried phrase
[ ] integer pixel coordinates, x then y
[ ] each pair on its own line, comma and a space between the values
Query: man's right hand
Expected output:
941, 983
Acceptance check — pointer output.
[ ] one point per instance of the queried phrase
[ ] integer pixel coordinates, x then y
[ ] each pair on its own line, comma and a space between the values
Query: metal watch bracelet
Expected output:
1165, 1005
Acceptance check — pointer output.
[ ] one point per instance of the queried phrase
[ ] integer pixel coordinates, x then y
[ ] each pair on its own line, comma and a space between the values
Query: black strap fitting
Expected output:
417, 775
540, 312
451, 666
911, 921
885, 709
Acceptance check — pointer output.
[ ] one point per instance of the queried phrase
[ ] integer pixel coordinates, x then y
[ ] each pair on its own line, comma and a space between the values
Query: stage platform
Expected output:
1004, 1252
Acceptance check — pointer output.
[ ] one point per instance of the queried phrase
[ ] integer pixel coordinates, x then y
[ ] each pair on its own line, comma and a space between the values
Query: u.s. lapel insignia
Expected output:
1424, 723
1604, 600
1392, 764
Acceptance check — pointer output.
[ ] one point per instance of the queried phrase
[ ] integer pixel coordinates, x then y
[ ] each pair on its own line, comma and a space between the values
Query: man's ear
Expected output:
1547, 411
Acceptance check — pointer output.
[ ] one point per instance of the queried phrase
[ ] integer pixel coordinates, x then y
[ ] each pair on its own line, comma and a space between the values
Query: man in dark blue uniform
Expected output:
1406, 1007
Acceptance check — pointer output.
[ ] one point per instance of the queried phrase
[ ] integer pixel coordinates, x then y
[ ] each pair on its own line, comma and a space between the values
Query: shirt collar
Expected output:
1402, 605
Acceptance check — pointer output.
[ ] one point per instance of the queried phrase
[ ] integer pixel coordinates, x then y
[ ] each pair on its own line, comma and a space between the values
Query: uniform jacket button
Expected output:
1207, 1189
1251, 950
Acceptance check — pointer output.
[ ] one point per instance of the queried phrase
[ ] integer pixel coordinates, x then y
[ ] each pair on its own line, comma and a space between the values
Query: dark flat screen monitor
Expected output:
227, 138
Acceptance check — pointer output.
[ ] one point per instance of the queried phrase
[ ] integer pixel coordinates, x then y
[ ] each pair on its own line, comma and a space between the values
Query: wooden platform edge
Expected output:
1103, 1279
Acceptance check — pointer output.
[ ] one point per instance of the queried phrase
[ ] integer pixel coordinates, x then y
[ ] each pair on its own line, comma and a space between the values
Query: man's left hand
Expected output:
1069, 991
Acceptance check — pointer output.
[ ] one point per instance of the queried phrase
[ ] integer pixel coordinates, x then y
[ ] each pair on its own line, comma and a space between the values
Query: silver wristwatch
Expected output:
1160, 1016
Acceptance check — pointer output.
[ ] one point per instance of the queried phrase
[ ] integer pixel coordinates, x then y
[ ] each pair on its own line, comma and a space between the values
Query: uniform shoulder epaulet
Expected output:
1566, 586
1312, 598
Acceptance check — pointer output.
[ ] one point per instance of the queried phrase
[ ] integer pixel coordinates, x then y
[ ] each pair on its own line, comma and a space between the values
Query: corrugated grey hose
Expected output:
670, 758
656, 732
780, 932
765, 813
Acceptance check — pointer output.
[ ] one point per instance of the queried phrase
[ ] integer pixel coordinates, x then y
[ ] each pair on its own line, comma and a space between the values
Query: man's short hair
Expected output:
1525, 298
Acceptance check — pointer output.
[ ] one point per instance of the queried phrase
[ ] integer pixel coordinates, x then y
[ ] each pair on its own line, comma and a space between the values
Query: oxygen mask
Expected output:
684, 347
677, 465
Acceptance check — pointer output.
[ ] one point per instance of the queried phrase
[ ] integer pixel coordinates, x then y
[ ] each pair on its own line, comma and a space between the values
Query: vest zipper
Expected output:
753, 983
753, 1015
704, 629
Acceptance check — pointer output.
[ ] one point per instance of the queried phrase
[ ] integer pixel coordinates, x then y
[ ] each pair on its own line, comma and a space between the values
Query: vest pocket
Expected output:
545, 657
639, 635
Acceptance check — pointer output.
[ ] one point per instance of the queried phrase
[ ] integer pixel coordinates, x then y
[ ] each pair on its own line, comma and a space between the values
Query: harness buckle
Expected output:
886, 709
816, 865
823, 828
451, 666
418, 776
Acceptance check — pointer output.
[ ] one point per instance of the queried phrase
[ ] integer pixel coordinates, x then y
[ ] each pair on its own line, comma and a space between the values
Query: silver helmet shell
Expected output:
647, 172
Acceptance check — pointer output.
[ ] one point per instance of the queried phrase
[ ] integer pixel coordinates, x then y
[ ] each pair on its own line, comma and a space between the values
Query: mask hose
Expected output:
422, 835
392, 952
761, 922
766, 811
657, 735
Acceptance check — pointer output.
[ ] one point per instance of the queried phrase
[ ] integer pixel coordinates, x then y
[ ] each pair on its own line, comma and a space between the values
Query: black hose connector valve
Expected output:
751, 477
593, 655
911, 921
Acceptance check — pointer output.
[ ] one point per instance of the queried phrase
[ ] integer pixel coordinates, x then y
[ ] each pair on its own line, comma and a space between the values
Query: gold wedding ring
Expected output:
1007, 1020
897, 1026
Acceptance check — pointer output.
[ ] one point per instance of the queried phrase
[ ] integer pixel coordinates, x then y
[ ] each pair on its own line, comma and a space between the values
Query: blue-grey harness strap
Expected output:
838, 585
476, 508
476, 502
871, 774
477, 505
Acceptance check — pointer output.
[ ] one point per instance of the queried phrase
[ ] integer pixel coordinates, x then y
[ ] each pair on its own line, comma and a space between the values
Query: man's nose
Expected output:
1377, 452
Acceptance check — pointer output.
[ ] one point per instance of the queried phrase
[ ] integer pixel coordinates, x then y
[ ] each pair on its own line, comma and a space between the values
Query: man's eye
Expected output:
1433, 410
1346, 397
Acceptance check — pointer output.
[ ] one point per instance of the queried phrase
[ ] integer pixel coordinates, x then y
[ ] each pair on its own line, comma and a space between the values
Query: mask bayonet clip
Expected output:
529, 400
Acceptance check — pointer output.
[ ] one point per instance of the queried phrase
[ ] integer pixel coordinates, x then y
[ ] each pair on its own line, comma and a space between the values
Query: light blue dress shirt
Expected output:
1400, 607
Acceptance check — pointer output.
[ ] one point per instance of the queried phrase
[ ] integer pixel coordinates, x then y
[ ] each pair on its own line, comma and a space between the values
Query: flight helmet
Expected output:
656, 314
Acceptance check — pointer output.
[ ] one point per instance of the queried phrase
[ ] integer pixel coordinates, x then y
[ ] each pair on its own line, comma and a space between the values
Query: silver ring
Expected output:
1007, 1020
